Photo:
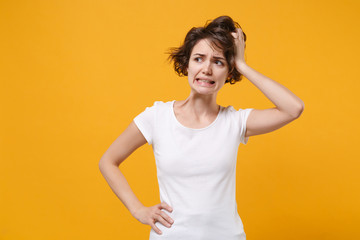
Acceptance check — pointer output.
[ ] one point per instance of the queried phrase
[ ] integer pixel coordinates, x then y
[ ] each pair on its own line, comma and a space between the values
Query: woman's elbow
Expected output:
101, 164
299, 110
104, 162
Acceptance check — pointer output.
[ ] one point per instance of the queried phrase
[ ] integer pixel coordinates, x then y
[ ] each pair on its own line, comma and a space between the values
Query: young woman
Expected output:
195, 141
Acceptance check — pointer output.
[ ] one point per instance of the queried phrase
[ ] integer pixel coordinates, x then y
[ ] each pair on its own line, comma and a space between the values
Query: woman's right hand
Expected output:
150, 215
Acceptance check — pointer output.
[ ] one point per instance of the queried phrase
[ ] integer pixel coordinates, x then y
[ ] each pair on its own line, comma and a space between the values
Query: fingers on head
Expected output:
241, 33
238, 33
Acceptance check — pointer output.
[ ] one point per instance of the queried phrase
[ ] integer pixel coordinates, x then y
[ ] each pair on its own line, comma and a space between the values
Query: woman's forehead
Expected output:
204, 46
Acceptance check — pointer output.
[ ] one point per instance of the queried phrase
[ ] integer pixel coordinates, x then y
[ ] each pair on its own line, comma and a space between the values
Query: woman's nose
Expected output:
207, 68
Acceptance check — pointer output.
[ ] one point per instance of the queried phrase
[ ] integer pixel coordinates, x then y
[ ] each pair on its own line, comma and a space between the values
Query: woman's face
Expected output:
207, 69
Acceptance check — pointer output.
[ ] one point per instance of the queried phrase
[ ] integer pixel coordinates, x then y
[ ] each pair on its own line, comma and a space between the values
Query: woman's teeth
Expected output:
202, 80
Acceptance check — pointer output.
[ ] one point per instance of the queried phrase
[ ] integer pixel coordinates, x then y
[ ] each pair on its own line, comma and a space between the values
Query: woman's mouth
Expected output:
204, 82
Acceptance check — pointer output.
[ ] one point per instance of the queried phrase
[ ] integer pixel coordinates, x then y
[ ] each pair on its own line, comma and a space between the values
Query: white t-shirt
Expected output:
196, 172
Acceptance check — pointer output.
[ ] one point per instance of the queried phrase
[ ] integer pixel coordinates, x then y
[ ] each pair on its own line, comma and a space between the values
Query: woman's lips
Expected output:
204, 82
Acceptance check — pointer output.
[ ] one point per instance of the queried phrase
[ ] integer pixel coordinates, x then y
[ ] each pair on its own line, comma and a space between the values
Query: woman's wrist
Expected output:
134, 210
241, 67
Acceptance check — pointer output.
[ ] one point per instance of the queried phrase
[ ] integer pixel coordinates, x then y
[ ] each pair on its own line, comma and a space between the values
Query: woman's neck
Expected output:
200, 105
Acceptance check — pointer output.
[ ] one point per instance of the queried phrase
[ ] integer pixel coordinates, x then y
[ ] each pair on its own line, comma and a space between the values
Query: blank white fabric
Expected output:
196, 172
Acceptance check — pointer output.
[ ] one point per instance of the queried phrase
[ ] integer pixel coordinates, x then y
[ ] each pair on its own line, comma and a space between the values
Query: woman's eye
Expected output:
197, 59
219, 63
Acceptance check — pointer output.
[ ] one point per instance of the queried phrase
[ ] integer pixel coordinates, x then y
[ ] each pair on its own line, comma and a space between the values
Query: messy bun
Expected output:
218, 32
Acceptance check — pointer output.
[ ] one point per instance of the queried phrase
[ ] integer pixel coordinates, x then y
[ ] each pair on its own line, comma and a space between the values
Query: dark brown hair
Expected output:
218, 32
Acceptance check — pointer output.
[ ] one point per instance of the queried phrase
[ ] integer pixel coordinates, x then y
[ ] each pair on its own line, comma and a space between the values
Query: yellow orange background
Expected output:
75, 73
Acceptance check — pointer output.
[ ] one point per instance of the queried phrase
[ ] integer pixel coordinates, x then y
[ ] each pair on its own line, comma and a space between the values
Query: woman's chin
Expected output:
204, 91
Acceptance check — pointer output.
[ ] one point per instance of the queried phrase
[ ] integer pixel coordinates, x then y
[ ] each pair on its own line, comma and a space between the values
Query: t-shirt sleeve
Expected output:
145, 121
243, 116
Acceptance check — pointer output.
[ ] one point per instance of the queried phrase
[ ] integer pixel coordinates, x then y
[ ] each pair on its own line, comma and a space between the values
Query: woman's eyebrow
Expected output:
202, 55
219, 58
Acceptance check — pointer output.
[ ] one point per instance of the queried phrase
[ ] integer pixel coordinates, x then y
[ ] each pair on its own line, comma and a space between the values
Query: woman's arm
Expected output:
288, 105
120, 149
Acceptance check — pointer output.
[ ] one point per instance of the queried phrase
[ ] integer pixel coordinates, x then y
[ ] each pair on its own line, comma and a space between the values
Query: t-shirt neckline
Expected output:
194, 129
